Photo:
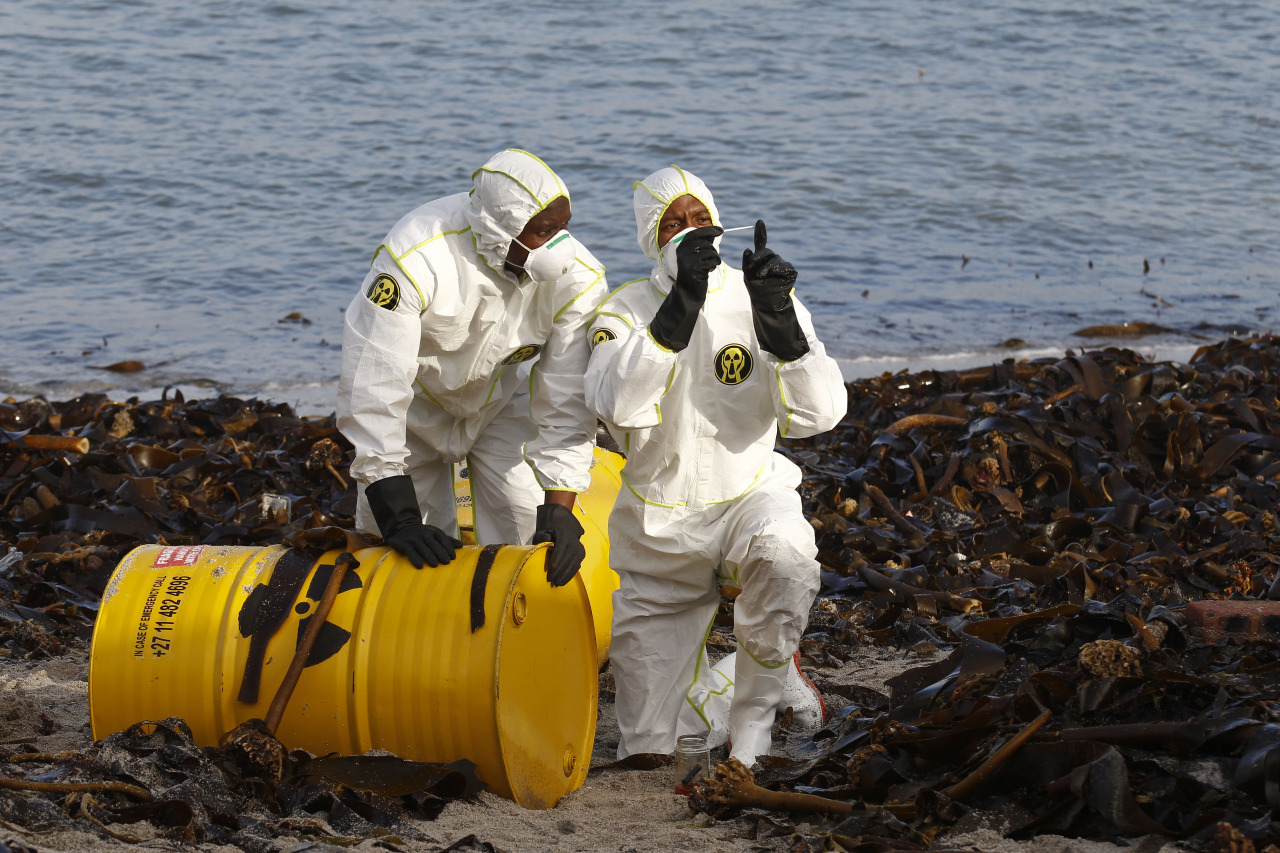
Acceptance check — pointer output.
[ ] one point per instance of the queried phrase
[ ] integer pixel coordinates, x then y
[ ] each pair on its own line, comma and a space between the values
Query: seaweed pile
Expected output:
85, 481
228, 794
1052, 523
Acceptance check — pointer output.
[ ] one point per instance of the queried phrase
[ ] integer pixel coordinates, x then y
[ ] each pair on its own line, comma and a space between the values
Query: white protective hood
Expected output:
509, 190
651, 199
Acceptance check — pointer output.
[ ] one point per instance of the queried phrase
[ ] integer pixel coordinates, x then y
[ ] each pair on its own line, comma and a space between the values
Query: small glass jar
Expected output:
693, 761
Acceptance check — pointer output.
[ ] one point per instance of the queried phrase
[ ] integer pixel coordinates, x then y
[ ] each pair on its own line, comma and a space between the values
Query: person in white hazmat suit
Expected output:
468, 341
695, 371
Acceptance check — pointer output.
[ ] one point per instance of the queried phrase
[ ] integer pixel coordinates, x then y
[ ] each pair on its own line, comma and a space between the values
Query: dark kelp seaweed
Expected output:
222, 471
226, 794
1049, 522
1046, 522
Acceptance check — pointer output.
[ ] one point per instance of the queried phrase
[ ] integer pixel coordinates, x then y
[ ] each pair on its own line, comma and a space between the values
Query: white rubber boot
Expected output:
757, 690
706, 710
808, 711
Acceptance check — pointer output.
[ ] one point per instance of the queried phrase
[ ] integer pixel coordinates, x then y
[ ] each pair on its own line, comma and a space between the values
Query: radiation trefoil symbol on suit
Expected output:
733, 364
384, 292
524, 353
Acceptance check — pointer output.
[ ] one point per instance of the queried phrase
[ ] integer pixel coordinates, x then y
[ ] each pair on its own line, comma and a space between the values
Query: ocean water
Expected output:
199, 187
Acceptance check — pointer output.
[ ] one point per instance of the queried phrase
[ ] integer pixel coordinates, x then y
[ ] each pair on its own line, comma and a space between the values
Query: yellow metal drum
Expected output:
481, 659
462, 505
592, 509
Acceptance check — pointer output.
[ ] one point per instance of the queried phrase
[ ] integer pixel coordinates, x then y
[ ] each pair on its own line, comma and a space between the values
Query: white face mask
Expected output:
552, 259
667, 254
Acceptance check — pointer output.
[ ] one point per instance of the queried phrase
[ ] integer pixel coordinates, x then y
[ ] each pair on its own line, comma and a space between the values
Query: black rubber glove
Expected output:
770, 280
696, 256
395, 509
557, 525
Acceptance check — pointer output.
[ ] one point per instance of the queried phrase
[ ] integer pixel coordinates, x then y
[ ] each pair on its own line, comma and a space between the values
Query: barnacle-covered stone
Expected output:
257, 748
858, 761
121, 424
1105, 658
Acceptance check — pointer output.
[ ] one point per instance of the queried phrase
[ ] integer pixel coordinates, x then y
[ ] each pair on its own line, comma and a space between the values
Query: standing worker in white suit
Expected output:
468, 341
695, 371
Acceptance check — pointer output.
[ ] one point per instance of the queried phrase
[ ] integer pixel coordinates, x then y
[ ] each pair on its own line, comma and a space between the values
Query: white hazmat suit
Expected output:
446, 356
705, 500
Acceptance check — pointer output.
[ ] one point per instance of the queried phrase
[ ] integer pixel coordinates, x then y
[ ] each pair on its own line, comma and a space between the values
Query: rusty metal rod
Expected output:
275, 713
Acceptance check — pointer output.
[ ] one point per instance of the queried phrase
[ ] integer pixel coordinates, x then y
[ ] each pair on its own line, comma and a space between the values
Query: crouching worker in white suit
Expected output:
468, 341
695, 371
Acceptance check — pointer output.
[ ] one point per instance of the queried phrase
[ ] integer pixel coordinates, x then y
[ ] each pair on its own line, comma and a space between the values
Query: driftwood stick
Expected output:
966, 785
75, 787
275, 713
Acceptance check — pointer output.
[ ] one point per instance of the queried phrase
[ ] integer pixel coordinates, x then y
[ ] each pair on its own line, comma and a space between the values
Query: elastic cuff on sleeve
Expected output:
657, 342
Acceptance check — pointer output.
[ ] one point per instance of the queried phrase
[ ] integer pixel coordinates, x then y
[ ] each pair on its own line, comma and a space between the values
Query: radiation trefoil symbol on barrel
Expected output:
733, 364
261, 614
331, 638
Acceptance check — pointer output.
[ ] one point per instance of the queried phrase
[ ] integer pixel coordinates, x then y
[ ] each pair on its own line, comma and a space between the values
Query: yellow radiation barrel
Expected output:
592, 509
480, 659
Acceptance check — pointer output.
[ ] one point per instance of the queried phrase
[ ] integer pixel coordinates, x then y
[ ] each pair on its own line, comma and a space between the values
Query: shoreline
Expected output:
318, 398
871, 367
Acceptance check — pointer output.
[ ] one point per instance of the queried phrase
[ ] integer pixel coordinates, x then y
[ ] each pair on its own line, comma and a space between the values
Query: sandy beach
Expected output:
44, 707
